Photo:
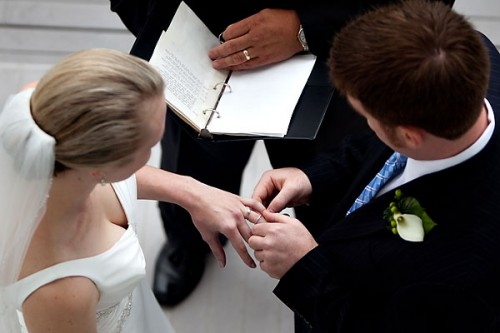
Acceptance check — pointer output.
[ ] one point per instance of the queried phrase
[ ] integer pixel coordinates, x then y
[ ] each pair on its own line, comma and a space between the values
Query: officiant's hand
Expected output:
267, 37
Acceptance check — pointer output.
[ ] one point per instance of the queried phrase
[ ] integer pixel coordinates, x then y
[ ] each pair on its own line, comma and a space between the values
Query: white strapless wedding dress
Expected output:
126, 303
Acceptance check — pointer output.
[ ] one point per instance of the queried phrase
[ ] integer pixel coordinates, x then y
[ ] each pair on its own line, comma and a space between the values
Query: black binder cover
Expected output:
312, 104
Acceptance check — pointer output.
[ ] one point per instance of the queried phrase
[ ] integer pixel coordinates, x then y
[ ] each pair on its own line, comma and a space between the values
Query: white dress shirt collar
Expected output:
416, 168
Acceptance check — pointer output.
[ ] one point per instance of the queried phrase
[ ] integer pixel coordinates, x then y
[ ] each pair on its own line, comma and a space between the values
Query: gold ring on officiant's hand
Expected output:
246, 54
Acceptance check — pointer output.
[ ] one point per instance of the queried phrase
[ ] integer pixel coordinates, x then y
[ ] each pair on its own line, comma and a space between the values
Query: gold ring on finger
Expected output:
246, 54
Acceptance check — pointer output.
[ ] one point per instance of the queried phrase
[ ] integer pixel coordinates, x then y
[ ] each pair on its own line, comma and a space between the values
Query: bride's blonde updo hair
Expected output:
93, 103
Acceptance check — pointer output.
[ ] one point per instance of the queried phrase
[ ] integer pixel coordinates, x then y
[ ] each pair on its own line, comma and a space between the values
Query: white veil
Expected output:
26, 166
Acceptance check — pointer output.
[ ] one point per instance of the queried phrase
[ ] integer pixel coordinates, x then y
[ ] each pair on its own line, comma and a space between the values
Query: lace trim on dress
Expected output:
125, 313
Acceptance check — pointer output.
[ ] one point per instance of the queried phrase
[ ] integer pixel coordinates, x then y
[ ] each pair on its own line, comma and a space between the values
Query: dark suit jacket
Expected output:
362, 278
320, 18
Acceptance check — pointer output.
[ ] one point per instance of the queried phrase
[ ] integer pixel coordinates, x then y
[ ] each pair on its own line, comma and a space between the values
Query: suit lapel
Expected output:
439, 193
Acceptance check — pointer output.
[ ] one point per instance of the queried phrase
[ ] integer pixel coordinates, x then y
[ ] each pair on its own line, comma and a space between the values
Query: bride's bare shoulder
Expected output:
72, 298
29, 85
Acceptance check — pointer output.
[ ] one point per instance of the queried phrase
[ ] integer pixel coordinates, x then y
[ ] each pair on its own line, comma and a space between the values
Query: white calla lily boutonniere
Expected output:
407, 218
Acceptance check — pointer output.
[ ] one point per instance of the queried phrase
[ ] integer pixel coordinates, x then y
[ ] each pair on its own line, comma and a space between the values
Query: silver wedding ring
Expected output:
247, 212
246, 54
258, 219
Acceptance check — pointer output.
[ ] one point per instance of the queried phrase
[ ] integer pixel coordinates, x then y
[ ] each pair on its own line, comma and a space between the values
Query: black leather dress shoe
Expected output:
178, 271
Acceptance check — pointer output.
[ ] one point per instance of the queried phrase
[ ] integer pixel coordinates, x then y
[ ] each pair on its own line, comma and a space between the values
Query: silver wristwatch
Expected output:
302, 39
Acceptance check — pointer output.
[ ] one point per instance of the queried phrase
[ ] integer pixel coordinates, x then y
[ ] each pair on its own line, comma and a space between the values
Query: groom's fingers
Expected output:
253, 204
256, 218
276, 217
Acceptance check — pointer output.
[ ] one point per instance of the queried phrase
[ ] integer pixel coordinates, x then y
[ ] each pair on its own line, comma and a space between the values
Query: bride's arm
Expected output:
212, 210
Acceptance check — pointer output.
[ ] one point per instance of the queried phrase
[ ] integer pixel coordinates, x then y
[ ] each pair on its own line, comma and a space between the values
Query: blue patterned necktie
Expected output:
391, 168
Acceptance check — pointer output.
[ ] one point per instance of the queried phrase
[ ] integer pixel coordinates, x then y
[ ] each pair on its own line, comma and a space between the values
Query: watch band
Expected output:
302, 39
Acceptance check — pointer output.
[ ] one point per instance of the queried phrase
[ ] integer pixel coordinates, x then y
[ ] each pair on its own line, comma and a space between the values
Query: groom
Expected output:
423, 254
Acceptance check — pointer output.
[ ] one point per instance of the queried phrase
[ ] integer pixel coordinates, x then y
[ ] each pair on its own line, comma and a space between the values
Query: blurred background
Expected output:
236, 299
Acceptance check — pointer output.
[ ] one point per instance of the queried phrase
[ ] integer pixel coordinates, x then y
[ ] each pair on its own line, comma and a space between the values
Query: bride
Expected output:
73, 152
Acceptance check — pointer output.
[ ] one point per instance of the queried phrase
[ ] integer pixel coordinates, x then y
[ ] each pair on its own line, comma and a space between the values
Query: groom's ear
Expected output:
412, 137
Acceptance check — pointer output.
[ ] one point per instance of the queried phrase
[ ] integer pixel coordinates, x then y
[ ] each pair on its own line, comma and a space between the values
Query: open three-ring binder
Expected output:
284, 100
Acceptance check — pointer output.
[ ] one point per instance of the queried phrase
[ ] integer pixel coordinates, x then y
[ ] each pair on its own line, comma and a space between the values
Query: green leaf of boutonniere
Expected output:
408, 218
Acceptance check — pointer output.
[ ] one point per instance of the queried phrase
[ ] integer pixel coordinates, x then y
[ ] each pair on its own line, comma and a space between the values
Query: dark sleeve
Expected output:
333, 173
436, 308
322, 290
303, 290
146, 19
321, 19
346, 286
326, 303
132, 13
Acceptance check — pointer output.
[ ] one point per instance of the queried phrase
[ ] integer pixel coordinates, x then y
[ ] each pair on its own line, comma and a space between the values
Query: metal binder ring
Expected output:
212, 111
246, 54
226, 85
